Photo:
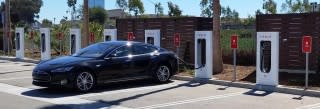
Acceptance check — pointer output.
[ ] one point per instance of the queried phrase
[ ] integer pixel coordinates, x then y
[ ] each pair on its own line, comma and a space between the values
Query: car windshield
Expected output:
95, 50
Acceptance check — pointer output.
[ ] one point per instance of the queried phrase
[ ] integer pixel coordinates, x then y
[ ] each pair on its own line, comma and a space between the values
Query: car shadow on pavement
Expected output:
102, 103
64, 92
188, 84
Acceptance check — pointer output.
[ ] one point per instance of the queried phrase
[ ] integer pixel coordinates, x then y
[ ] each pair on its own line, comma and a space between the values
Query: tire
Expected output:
84, 81
162, 74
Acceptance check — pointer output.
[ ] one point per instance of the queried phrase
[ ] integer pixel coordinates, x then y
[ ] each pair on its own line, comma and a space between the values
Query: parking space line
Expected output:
69, 101
312, 106
191, 101
23, 77
127, 90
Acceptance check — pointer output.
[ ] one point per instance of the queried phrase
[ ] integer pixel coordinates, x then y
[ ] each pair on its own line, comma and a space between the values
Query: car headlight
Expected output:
62, 69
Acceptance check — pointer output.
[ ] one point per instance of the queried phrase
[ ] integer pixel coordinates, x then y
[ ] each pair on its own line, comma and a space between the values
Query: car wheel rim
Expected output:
84, 81
163, 73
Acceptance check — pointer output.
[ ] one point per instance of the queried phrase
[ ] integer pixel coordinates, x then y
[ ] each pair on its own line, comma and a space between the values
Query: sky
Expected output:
56, 9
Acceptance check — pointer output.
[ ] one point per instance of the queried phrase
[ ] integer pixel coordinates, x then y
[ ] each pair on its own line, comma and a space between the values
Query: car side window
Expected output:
121, 52
143, 49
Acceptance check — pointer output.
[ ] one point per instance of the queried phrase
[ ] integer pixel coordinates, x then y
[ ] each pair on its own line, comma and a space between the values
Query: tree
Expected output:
24, 11
136, 6
228, 16
98, 15
258, 12
217, 56
296, 6
174, 9
122, 4
85, 35
250, 20
270, 6
46, 23
158, 9
72, 4
206, 8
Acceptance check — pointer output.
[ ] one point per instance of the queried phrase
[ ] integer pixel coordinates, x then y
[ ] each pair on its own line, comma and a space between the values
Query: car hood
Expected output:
62, 61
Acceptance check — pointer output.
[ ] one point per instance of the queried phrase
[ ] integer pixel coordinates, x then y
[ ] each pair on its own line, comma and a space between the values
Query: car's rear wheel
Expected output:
163, 73
85, 81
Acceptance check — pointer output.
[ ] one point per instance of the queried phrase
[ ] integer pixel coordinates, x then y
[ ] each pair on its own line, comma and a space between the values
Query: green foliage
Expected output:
136, 6
174, 9
258, 12
251, 20
296, 6
270, 6
98, 15
122, 4
72, 4
97, 29
246, 41
46, 23
206, 8
159, 9
24, 11
228, 16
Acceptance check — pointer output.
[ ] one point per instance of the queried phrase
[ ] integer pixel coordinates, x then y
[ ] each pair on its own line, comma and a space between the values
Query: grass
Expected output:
246, 41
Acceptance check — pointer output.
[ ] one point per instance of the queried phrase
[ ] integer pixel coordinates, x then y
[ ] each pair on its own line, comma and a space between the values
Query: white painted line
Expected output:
313, 106
126, 90
24, 77
191, 101
69, 101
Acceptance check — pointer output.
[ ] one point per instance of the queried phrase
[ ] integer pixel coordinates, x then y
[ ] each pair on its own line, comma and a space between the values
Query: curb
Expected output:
279, 89
14, 59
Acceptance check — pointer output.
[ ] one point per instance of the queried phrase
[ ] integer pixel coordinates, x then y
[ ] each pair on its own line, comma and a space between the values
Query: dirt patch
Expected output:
247, 74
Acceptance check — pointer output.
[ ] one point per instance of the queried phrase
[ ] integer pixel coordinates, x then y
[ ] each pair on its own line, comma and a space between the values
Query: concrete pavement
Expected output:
16, 92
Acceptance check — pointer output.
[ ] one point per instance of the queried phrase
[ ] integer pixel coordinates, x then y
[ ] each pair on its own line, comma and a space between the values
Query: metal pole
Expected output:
178, 60
32, 41
8, 44
234, 65
307, 70
60, 47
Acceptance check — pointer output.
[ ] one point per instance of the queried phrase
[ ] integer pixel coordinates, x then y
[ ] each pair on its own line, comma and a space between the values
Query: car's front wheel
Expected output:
85, 81
162, 73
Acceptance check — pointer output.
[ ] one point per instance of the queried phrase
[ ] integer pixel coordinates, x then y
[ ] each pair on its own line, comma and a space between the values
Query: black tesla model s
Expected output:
106, 62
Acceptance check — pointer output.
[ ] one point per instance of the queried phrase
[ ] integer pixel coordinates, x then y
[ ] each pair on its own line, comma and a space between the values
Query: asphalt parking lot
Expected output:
17, 92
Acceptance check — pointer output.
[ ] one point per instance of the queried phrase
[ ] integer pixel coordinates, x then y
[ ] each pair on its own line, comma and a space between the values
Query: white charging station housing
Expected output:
203, 54
267, 68
110, 34
45, 45
19, 39
75, 40
152, 37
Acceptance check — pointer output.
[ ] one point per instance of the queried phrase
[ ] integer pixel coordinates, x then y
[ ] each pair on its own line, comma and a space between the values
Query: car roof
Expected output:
121, 43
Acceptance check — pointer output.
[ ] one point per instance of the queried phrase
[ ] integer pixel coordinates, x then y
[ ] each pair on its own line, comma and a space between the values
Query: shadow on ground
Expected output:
46, 93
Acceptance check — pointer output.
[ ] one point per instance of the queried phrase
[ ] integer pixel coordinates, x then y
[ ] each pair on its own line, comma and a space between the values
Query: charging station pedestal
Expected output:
152, 37
203, 54
110, 34
19, 43
75, 40
267, 68
45, 43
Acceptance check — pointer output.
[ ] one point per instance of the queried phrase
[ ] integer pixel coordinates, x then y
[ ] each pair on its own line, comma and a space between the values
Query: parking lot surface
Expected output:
17, 92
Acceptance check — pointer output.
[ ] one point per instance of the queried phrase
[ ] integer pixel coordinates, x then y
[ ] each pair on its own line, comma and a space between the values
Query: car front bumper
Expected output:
45, 79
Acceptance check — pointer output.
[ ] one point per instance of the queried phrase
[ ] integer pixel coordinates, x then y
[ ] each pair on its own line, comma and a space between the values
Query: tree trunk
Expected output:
217, 55
6, 37
85, 35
